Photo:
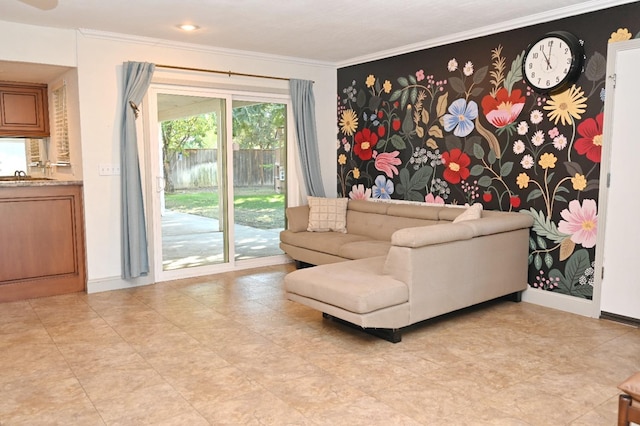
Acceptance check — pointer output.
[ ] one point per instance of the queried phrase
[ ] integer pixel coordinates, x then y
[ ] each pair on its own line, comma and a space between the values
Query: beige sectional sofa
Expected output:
399, 264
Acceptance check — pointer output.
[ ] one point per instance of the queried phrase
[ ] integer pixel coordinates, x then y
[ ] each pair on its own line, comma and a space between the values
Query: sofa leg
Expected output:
515, 297
301, 265
392, 335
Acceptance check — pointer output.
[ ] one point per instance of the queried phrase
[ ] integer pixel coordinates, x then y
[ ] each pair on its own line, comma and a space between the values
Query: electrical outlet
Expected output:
108, 169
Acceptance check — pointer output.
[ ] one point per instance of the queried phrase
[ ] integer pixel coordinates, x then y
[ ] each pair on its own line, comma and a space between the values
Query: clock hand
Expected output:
546, 58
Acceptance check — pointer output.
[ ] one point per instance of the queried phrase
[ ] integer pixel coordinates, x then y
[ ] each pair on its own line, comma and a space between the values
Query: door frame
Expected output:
153, 184
613, 49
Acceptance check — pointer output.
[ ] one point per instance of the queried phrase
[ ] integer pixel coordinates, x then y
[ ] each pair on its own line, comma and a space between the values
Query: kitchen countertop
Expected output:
48, 182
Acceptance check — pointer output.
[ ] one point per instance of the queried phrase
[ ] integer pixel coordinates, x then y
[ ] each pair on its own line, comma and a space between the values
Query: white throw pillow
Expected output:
327, 214
473, 212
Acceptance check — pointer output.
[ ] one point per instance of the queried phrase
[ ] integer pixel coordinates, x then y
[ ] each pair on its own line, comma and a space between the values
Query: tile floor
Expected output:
229, 349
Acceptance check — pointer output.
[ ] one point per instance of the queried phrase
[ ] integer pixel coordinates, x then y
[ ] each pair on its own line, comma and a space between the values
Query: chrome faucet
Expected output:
20, 174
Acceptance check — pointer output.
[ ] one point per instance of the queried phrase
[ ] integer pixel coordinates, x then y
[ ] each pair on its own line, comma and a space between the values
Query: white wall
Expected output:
99, 60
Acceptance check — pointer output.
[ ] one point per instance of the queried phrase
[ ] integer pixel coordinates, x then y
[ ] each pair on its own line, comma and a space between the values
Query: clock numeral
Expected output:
548, 83
535, 55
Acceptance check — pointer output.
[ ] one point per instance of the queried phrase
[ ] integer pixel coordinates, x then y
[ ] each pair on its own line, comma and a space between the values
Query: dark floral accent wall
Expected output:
457, 124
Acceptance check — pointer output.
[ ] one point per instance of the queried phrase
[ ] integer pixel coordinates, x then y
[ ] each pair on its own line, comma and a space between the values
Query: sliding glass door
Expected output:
218, 172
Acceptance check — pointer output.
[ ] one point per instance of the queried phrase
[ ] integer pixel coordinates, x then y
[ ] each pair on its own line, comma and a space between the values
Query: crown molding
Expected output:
525, 21
150, 41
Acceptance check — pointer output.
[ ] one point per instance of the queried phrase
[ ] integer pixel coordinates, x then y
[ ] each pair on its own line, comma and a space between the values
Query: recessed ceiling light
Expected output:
188, 27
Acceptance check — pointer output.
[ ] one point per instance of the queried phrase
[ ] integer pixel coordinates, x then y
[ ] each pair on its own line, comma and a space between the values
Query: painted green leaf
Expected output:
506, 168
585, 291
400, 189
548, 260
402, 81
573, 168
515, 73
591, 185
478, 151
397, 142
537, 261
541, 242
484, 181
480, 74
562, 189
404, 98
452, 142
412, 79
530, 259
563, 286
576, 265
395, 95
561, 199
596, 67
361, 99
476, 170
491, 158
532, 244
550, 176
381, 144
536, 193
543, 226
414, 95
374, 102
420, 178
476, 91
414, 196
457, 84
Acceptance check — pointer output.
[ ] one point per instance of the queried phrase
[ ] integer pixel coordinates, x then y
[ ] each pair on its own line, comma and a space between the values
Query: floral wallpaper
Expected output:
458, 124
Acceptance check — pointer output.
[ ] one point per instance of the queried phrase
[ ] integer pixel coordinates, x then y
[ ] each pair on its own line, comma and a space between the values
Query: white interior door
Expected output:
619, 224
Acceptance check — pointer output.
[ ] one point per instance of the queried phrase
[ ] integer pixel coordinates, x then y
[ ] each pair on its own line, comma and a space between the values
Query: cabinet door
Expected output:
24, 110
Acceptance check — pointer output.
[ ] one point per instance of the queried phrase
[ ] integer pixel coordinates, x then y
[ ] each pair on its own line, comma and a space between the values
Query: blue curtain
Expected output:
135, 259
304, 116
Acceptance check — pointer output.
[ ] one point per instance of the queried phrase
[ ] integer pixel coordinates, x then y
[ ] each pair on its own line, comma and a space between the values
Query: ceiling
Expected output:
328, 31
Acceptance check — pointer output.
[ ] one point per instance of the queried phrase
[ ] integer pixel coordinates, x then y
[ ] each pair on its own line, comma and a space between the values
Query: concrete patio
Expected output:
190, 240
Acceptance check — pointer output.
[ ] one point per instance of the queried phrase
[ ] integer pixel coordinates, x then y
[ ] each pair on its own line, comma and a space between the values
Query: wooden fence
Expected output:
198, 168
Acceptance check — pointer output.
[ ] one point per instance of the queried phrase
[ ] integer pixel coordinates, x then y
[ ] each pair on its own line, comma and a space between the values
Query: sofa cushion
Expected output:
325, 242
471, 213
327, 214
357, 286
364, 249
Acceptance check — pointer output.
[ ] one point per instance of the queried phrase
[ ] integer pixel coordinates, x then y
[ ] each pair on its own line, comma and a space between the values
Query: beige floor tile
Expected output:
231, 349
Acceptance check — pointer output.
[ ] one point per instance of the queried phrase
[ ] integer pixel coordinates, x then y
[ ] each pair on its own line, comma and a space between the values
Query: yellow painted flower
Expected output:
342, 159
356, 173
522, 180
547, 161
387, 86
348, 122
566, 106
371, 80
579, 182
621, 35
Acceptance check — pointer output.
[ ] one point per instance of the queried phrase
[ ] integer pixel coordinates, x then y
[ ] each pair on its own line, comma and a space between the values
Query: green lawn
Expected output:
256, 207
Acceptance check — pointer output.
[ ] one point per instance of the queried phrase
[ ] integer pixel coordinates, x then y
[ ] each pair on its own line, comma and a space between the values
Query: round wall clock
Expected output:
553, 62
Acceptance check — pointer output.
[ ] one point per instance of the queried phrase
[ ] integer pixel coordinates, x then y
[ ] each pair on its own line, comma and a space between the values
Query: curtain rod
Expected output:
229, 73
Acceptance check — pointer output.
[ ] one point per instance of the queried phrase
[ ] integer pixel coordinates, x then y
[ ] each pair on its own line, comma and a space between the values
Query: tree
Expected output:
180, 135
259, 126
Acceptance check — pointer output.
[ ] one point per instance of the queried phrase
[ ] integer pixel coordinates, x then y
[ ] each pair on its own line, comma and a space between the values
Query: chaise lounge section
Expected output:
431, 264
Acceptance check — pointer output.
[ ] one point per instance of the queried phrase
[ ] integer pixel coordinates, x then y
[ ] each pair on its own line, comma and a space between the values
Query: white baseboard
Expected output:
115, 283
563, 302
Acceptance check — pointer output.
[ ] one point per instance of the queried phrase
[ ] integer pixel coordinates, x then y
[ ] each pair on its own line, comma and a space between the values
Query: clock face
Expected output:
551, 63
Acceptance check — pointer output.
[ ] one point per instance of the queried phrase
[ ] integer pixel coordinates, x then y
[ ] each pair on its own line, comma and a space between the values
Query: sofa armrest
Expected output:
297, 218
432, 234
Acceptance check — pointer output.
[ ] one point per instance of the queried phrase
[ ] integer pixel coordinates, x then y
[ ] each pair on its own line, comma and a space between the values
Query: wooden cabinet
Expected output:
42, 250
24, 110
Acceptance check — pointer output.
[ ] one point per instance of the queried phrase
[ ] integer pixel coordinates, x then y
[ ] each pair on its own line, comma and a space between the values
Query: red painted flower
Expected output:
487, 196
395, 124
504, 108
457, 165
515, 200
365, 142
382, 131
590, 144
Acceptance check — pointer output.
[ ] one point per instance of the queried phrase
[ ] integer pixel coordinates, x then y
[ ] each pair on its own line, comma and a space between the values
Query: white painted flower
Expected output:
560, 142
538, 138
452, 65
468, 69
527, 162
523, 128
536, 116
518, 147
